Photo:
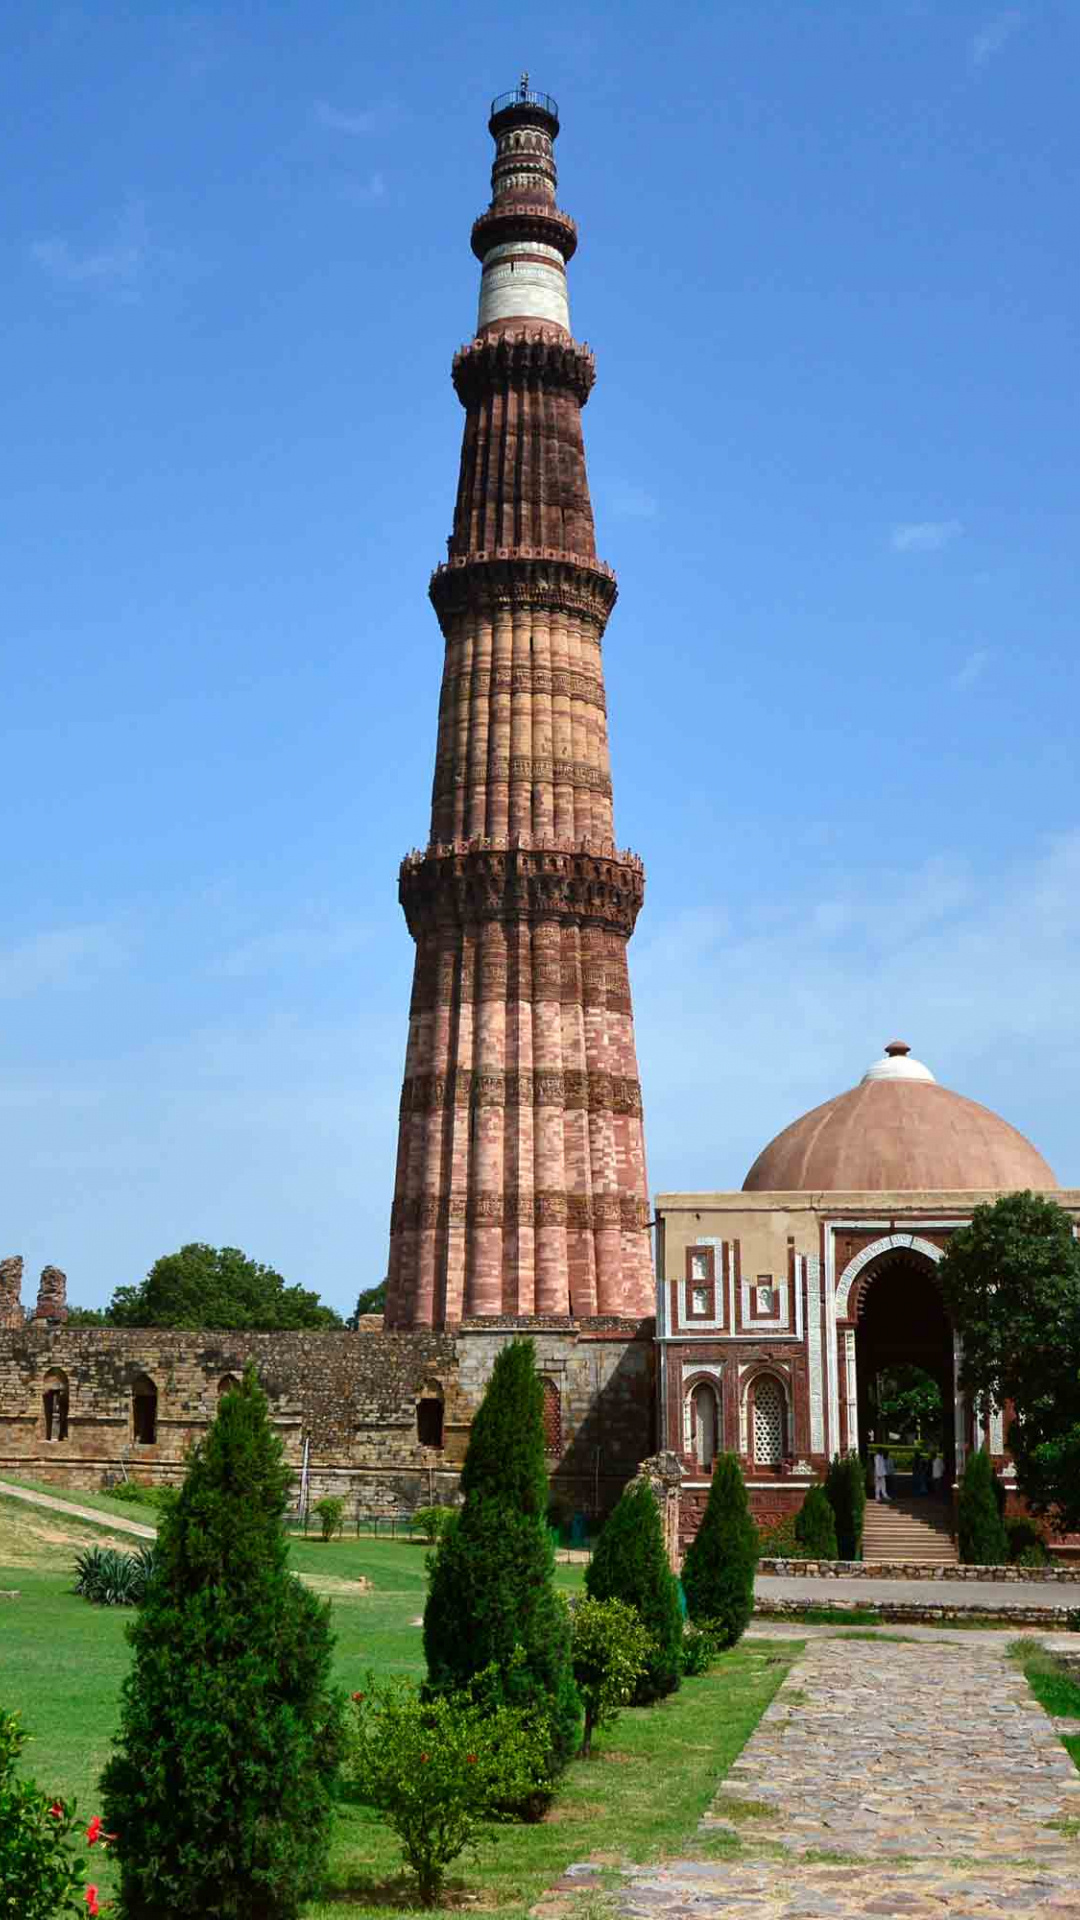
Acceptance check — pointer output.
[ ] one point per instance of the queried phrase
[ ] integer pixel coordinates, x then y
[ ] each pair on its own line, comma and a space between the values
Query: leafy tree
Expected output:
815, 1527
440, 1769
981, 1531
221, 1782
330, 1514
630, 1564
1011, 1281
42, 1870
87, 1317
845, 1488
491, 1588
611, 1651
718, 1572
909, 1402
217, 1287
371, 1301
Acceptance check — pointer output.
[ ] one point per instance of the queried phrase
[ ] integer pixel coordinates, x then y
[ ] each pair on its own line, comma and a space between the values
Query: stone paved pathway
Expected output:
982, 1596
908, 1779
112, 1522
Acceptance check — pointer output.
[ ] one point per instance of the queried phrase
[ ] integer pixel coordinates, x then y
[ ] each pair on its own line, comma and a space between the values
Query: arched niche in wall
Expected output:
226, 1384
144, 1409
429, 1415
553, 1435
704, 1424
55, 1403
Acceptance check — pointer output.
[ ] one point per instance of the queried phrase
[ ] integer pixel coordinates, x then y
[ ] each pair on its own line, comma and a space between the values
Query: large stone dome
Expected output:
898, 1132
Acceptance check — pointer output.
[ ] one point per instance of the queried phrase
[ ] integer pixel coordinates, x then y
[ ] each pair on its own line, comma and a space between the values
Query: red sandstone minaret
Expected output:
521, 1184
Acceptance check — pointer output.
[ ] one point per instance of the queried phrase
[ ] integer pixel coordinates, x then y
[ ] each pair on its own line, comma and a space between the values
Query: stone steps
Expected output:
901, 1531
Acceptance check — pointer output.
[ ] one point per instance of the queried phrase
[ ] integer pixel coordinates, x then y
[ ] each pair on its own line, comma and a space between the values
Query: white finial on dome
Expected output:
896, 1063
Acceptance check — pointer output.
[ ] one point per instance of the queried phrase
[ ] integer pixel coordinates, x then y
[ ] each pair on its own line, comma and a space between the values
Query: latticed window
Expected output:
768, 1422
552, 1418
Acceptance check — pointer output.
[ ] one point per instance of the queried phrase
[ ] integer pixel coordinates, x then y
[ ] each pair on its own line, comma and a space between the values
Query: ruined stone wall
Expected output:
352, 1397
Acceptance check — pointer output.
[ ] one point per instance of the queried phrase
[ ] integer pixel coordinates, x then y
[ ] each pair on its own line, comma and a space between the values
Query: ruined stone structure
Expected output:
11, 1273
520, 1186
383, 1418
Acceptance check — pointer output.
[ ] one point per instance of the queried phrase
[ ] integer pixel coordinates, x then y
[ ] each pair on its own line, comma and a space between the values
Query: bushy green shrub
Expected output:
777, 1541
610, 1648
630, 1564
113, 1579
845, 1487
131, 1492
718, 1572
1027, 1548
700, 1646
439, 1769
815, 1528
492, 1589
330, 1514
980, 1528
43, 1863
430, 1521
220, 1787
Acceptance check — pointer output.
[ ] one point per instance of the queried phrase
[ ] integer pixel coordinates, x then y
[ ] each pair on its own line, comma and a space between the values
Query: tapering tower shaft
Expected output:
520, 1185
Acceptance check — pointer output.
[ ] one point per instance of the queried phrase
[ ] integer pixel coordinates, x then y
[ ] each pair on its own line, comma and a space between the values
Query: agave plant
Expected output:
113, 1579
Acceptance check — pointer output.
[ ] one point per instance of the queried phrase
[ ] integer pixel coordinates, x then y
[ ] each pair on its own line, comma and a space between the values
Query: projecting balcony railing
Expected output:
522, 96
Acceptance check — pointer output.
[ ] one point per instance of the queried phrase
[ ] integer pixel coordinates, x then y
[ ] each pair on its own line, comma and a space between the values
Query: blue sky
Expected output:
828, 269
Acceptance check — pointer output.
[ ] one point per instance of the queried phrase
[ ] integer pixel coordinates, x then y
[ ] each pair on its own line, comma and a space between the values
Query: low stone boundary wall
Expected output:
913, 1570
916, 1612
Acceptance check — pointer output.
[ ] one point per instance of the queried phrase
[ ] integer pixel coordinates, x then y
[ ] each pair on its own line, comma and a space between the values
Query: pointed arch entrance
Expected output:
901, 1324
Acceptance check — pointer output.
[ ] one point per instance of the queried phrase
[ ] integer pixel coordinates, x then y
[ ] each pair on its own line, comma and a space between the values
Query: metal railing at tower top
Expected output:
525, 97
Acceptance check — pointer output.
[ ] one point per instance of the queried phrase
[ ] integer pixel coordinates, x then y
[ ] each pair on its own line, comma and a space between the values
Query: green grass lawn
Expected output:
1054, 1687
655, 1771
80, 1497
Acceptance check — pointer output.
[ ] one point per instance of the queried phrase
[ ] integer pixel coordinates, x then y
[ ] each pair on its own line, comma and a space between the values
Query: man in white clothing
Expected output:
879, 1476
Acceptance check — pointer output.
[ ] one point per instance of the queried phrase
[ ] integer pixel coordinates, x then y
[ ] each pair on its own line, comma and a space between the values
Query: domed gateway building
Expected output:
780, 1307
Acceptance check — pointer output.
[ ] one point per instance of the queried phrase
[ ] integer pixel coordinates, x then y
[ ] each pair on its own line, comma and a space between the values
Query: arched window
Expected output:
768, 1436
704, 1425
429, 1416
54, 1400
226, 1384
552, 1418
144, 1411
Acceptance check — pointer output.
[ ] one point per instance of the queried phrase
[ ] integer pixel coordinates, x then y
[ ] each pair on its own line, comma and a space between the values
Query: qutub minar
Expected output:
521, 1183
520, 1200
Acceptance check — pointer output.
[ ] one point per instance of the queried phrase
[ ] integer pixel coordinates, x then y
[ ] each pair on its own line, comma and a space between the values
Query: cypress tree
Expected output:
845, 1487
982, 1537
815, 1528
718, 1572
492, 1597
630, 1564
220, 1784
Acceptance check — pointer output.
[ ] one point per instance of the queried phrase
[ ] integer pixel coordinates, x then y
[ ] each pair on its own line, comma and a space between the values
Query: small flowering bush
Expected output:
610, 1648
42, 1864
441, 1770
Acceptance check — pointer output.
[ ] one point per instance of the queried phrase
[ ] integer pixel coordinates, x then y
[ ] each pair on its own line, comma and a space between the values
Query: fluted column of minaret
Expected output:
521, 1185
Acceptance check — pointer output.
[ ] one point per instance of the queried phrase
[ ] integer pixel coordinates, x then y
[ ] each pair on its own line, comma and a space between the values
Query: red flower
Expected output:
470, 1759
93, 1831
358, 1696
57, 1809
423, 1759
92, 1900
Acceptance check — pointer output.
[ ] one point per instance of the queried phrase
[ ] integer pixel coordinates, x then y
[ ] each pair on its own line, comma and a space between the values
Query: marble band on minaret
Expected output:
521, 1186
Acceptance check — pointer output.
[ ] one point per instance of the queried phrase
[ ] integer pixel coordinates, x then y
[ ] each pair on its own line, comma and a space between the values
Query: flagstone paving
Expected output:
907, 1779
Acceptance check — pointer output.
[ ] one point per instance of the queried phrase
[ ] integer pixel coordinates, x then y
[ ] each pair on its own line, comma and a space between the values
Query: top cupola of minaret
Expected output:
523, 240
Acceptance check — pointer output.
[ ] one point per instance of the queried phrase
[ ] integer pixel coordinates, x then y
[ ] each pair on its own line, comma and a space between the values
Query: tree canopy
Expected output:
372, 1300
203, 1286
1011, 1281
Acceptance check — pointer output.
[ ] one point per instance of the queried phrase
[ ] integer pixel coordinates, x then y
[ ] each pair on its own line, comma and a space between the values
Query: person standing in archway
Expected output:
880, 1492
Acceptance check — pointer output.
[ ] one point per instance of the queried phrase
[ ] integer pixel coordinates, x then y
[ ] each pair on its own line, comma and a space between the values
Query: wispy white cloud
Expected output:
972, 670
292, 947
740, 1031
116, 267
924, 536
993, 35
623, 500
363, 121
366, 193
65, 957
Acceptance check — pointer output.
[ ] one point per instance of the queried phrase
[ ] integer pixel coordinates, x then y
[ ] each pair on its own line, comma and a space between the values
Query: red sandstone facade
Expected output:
520, 1186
